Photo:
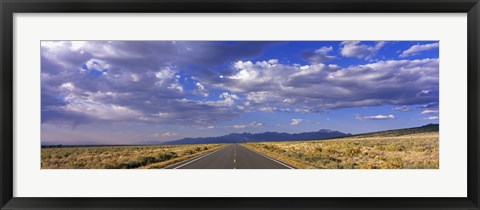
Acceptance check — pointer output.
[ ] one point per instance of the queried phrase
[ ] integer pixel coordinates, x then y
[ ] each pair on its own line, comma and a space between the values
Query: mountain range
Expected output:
270, 136
259, 137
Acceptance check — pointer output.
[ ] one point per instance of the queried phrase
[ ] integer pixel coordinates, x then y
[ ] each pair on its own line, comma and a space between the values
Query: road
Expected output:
233, 156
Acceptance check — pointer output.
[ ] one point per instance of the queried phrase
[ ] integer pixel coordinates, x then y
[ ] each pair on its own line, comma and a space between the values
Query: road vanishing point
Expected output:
233, 156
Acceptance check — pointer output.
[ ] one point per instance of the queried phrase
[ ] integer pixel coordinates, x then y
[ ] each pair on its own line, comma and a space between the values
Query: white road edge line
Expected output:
283, 164
197, 158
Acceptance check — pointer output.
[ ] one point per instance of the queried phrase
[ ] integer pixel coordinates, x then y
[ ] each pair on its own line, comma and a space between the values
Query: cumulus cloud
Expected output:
167, 78
96, 65
358, 50
424, 92
98, 110
250, 125
430, 108
416, 49
166, 134
67, 86
318, 56
271, 86
263, 97
375, 117
154, 82
201, 89
429, 111
132, 82
253, 124
431, 118
296, 121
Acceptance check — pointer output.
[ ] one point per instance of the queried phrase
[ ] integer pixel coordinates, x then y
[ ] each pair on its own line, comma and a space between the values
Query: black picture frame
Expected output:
9, 7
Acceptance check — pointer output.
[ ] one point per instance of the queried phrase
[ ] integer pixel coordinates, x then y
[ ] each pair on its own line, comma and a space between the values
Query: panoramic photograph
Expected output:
345, 104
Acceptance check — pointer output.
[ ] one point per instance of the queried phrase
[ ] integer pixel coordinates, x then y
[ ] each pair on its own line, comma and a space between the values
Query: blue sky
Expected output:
125, 92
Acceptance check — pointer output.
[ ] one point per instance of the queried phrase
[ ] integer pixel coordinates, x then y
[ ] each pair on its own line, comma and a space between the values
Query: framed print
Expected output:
239, 105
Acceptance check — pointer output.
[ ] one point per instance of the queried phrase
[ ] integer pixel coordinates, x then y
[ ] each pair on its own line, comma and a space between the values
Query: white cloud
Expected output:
296, 121
257, 97
402, 109
165, 135
358, 50
77, 46
169, 134
253, 124
431, 108
424, 92
266, 109
163, 114
228, 98
289, 100
135, 77
67, 86
319, 87
245, 73
324, 50
415, 49
239, 126
143, 80
429, 111
167, 78
53, 45
98, 110
176, 86
199, 86
165, 74
375, 117
97, 65
262, 97
431, 118
227, 102
109, 49
201, 89
319, 56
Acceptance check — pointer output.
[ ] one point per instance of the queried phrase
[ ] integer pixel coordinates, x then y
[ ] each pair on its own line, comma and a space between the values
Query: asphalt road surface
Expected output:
233, 156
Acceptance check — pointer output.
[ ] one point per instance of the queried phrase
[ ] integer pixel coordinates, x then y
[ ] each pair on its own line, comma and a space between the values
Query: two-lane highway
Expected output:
233, 156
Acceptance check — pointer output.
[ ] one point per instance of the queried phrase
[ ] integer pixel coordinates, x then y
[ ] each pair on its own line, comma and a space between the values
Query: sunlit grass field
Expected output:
121, 157
411, 148
387, 151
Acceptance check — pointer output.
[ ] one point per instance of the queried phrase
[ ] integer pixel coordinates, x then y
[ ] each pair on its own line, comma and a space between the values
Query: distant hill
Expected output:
259, 137
267, 136
72, 144
401, 132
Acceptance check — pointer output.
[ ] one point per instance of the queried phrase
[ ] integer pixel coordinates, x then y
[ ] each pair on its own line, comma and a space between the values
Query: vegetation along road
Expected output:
409, 148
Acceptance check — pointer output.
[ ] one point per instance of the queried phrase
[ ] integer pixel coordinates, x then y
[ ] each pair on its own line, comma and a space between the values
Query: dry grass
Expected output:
410, 151
121, 157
